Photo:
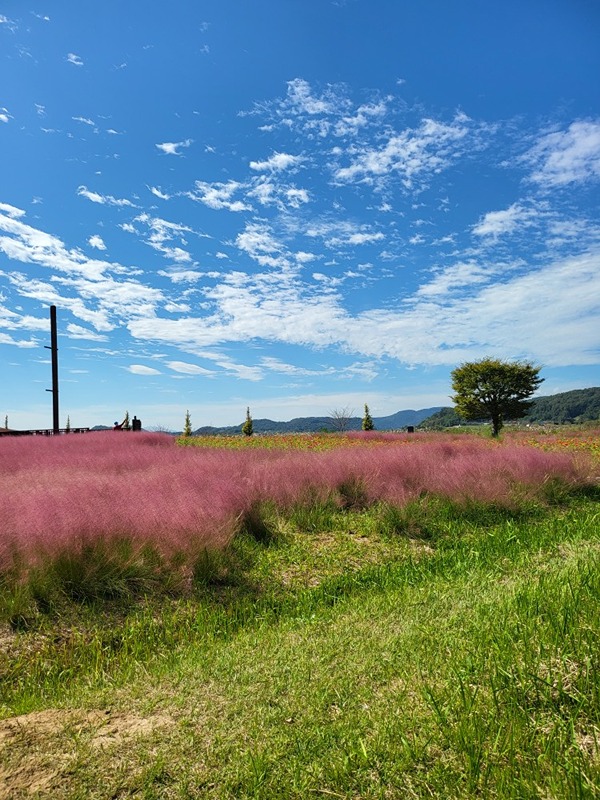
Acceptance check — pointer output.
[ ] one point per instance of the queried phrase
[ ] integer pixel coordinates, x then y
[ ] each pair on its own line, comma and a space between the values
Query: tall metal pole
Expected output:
54, 351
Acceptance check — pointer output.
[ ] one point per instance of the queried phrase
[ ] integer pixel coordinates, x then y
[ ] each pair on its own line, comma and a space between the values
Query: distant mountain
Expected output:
578, 405
317, 424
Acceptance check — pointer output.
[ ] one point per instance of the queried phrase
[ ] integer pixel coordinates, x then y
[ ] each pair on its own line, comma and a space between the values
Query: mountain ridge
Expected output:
401, 419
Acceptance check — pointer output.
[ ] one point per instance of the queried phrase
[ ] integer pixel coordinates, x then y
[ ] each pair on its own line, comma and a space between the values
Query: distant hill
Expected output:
316, 424
578, 405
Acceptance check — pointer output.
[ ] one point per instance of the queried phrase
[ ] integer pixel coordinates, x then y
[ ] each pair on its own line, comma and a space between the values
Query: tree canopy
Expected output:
494, 389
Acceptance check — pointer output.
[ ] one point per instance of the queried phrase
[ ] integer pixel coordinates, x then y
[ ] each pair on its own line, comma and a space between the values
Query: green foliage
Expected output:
579, 405
494, 389
187, 427
247, 427
444, 418
126, 422
68, 425
367, 420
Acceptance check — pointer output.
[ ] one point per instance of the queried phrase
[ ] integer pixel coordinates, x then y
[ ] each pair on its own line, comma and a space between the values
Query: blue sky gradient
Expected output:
293, 206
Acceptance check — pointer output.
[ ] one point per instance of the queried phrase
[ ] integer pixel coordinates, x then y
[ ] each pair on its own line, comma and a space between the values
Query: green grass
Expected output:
435, 651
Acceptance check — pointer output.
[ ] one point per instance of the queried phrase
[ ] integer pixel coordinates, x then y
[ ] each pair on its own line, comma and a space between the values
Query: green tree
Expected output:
367, 420
187, 427
6, 421
126, 422
247, 427
68, 425
494, 389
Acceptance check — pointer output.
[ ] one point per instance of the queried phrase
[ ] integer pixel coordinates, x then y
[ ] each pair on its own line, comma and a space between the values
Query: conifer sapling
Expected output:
247, 427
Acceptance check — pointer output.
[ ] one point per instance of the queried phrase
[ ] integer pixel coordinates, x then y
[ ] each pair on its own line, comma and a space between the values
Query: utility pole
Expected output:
54, 351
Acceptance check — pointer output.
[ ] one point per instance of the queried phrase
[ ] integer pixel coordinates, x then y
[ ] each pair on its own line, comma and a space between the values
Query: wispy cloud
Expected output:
158, 233
141, 369
568, 156
4, 115
73, 58
188, 369
159, 193
412, 154
85, 121
507, 221
78, 332
277, 162
103, 199
219, 195
174, 148
97, 242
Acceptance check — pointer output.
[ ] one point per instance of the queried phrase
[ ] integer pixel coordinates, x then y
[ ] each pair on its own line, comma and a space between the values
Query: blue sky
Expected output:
296, 206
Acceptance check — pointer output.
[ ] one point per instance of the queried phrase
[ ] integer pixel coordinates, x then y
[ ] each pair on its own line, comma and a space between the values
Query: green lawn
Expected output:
461, 660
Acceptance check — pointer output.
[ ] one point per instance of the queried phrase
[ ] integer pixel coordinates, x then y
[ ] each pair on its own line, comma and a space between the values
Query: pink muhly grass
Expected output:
58, 493
61, 493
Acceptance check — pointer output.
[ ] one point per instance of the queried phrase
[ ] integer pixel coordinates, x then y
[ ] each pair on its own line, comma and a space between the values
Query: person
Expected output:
119, 426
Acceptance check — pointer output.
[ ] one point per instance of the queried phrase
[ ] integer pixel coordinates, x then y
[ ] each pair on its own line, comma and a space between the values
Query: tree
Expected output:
494, 389
340, 418
6, 421
187, 427
68, 425
247, 427
367, 420
126, 422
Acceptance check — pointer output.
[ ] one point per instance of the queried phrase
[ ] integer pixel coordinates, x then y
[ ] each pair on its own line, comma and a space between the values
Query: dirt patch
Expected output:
38, 749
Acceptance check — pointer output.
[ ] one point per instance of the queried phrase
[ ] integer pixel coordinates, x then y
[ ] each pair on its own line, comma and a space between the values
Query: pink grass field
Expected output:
59, 493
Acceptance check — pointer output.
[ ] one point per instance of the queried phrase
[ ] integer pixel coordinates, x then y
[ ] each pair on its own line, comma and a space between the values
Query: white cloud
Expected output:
182, 275
300, 97
11, 211
103, 199
219, 195
276, 163
97, 242
5, 338
85, 121
73, 58
465, 312
173, 148
497, 223
342, 234
158, 193
161, 232
188, 369
283, 197
349, 125
4, 115
84, 286
78, 332
277, 365
258, 242
459, 277
140, 369
566, 157
413, 153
